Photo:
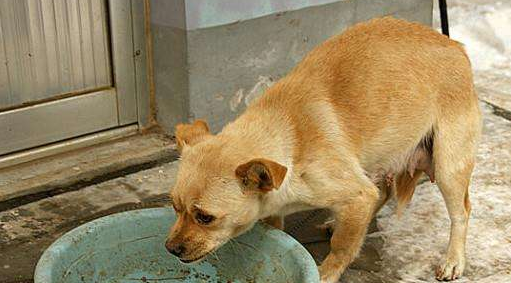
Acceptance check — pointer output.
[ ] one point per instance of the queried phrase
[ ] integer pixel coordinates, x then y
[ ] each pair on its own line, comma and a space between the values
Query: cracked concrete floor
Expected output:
395, 250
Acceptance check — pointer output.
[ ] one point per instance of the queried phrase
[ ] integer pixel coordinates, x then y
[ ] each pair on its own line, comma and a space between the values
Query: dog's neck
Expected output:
267, 135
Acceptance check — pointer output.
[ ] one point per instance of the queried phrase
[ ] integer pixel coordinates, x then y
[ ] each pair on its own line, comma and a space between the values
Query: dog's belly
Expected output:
418, 159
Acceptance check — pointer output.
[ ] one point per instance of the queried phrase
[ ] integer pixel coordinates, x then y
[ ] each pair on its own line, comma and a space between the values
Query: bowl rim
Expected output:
43, 270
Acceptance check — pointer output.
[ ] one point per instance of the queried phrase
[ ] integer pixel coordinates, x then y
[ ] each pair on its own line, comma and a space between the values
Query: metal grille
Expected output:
52, 47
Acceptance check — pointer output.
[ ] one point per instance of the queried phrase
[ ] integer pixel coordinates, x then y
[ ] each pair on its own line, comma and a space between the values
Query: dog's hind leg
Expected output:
454, 149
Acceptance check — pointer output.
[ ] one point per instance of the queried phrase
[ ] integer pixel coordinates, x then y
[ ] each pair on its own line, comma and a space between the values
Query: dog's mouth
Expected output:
203, 256
196, 259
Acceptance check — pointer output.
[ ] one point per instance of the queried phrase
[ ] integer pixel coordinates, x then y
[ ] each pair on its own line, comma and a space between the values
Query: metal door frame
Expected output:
129, 38
128, 98
130, 56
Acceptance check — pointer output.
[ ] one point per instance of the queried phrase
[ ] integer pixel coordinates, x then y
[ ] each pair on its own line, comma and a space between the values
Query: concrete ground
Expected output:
79, 168
395, 250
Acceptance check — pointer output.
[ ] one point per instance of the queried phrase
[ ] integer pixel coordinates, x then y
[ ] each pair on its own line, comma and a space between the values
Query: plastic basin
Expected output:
129, 247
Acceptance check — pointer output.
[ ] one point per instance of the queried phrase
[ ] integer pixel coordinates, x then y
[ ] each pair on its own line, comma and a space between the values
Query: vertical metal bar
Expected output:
38, 50
27, 54
62, 40
11, 49
74, 36
23, 50
51, 46
444, 19
5, 86
87, 43
100, 42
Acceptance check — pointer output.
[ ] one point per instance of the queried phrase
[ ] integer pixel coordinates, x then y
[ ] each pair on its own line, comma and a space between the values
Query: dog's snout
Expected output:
175, 249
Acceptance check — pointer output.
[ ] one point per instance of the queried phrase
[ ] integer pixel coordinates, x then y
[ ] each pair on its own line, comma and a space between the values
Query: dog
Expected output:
361, 118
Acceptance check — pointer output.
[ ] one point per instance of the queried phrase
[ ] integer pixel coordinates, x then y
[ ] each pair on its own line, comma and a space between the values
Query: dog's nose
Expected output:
176, 250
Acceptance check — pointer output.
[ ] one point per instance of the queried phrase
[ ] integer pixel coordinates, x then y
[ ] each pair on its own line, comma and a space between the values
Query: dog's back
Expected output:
386, 80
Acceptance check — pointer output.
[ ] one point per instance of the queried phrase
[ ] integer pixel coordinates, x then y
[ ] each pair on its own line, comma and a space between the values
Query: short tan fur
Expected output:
361, 118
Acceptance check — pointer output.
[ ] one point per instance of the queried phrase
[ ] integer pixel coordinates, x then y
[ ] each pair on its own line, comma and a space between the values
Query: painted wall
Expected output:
210, 13
212, 59
207, 13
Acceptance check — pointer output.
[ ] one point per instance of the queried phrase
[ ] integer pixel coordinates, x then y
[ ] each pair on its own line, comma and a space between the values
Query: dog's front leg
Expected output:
276, 221
352, 216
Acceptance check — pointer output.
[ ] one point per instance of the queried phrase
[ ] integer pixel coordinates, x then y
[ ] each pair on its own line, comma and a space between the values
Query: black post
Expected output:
443, 17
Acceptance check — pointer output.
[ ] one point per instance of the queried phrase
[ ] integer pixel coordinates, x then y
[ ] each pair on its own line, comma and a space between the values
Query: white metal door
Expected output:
66, 69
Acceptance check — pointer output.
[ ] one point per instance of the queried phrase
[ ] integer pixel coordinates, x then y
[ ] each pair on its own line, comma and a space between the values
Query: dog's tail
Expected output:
405, 187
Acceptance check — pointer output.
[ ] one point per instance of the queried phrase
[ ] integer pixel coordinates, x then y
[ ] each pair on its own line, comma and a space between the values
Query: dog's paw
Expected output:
450, 270
327, 275
327, 281
332, 268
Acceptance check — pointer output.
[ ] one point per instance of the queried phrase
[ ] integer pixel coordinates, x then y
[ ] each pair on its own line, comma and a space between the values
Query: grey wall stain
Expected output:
263, 83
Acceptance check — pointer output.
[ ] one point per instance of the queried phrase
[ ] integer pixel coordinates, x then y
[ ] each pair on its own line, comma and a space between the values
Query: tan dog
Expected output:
367, 111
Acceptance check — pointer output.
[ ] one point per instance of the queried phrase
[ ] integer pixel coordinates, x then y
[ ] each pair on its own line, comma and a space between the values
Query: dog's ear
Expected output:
190, 134
261, 174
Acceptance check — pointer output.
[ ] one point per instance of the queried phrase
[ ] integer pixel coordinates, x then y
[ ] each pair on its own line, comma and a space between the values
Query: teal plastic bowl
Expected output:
129, 247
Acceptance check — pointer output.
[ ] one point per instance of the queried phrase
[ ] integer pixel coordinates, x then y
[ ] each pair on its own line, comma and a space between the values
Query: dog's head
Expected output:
218, 193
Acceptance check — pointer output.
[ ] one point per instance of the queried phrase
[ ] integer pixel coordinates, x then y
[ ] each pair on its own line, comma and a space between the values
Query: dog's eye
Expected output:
203, 218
